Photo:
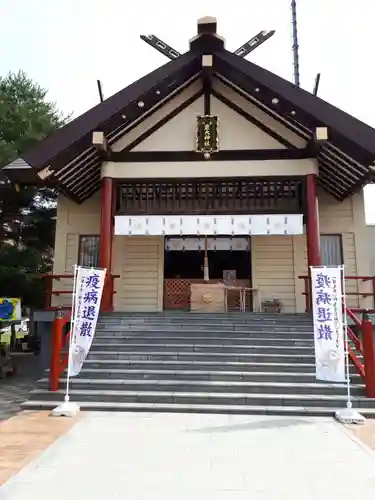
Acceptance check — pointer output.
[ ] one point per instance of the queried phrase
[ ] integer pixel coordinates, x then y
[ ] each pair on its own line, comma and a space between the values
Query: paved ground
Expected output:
25, 436
15, 390
180, 457
365, 433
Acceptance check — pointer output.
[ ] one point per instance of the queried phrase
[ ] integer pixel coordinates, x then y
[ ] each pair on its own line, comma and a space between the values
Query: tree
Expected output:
27, 213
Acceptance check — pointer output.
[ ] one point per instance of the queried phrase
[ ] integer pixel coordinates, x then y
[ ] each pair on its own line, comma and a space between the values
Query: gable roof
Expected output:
344, 161
310, 109
114, 113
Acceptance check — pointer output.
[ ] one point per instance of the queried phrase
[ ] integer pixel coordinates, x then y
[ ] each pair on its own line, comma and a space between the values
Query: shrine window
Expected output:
88, 250
331, 250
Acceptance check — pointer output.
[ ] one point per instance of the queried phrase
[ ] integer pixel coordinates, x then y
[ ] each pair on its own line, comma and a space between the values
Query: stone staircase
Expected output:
215, 363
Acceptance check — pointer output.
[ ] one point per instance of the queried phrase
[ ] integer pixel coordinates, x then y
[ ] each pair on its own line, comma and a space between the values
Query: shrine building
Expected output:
209, 172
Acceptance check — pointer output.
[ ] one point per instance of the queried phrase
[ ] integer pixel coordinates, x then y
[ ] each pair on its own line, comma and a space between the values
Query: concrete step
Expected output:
183, 374
248, 348
196, 333
263, 342
205, 327
206, 317
211, 386
216, 365
205, 398
295, 410
215, 320
221, 357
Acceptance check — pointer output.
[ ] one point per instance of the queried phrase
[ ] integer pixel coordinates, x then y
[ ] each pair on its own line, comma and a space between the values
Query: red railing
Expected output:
51, 292
358, 293
59, 348
61, 326
361, 349
361, 345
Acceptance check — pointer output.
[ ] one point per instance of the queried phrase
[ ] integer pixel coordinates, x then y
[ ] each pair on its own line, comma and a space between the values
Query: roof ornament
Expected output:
254, 43
207, 25
160, 46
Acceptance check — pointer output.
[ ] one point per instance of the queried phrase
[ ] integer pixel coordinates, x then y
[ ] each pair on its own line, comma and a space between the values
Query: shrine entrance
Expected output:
193, 259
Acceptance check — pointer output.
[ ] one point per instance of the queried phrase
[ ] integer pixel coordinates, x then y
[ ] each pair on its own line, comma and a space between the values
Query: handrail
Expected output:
358, 293
361, 346
50, 292
59, 349
356, 353
362, 351
368, 348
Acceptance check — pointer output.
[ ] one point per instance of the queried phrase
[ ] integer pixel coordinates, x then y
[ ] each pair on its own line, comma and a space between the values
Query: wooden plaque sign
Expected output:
207, 134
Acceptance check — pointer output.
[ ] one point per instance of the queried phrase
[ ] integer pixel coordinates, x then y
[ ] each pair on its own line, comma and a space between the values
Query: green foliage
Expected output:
27, 213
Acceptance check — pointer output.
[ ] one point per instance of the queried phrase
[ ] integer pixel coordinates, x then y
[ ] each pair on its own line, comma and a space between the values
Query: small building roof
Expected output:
346, 161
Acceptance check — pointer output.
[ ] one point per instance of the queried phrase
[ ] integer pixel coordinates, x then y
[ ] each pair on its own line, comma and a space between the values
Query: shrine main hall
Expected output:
209, 184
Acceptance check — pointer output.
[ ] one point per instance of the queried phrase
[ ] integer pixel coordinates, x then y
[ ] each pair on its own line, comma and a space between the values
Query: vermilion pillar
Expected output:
312, 224
106, 238
312, 228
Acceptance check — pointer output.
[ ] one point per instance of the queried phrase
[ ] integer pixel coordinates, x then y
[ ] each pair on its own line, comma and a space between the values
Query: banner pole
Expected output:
69, 409
72, 330
345, 327
347, 415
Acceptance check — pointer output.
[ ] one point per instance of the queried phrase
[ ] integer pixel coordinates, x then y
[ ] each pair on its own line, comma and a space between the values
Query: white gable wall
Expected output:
235, 132
255, 112
158, 115
178, 134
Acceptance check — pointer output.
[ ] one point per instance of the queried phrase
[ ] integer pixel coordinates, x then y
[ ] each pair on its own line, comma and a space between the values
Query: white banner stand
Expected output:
347, 415
69, 408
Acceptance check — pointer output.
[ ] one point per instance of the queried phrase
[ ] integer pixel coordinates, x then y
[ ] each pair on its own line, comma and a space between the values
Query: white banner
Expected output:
328, 324
164, 225
89, 285
194, 243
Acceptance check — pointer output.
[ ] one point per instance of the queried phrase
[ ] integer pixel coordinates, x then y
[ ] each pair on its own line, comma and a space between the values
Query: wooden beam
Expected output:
321, 135
276, 115
100, 143
253, 43
206, 77
161, 46
224, 155
318, 139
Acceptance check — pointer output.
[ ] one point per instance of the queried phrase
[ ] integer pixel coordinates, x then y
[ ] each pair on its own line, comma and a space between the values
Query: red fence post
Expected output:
368, 355
56, 346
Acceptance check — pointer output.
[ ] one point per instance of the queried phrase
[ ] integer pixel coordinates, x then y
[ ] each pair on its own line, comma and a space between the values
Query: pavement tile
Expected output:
26, 435
164, 457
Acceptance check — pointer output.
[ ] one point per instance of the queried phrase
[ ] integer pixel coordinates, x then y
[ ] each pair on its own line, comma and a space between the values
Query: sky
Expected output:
67, 46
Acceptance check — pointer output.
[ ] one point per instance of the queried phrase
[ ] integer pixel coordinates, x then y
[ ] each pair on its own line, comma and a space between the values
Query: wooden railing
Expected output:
50, 292
59, 348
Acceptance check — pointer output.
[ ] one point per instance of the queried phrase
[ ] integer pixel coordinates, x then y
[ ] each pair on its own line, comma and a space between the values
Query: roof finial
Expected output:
207, 24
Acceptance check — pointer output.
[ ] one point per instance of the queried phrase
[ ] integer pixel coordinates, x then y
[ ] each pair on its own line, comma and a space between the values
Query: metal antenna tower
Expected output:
295, 43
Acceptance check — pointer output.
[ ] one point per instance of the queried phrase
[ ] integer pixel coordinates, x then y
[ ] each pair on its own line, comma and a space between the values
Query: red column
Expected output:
106, 238
368, 355
312, 226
